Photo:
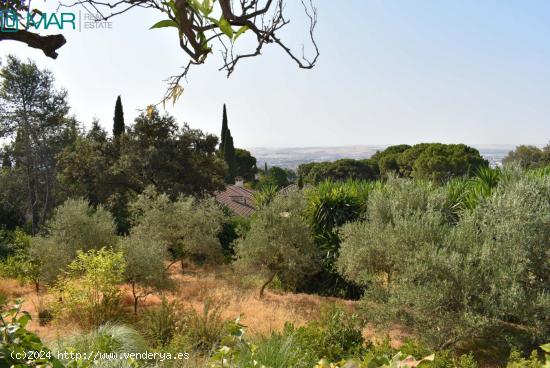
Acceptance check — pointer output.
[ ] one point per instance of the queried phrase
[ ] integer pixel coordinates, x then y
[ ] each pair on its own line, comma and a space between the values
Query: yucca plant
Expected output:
265, 195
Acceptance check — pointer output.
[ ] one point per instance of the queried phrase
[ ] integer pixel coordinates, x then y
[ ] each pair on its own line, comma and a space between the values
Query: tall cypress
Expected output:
223, 136
229, 157
6, 160
118, 120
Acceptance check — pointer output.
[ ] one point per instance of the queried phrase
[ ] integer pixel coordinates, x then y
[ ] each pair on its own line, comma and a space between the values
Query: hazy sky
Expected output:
390, 72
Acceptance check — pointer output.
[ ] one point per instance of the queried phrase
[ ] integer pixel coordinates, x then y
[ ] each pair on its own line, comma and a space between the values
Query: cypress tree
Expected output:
223, 136
300, 182
229, 157
118, 120
265, 168
6, 160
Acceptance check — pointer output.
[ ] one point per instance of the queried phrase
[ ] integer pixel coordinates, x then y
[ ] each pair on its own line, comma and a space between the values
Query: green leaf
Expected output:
207, 7
546, 347
226, 27
241, 30
165, 23
172, 6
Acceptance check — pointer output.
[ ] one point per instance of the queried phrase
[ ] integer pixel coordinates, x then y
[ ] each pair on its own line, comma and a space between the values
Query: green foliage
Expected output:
246, 164
154, 150
160, 324
265, 195
145, 270
186, 227
89, 292
279, 242
439, 162
75, 226
35, 126
345, 169
481, 277
529, 157
205, 328
108, 338
16, 341
334, 336
329, 206
118, 119
233, 227
276, 177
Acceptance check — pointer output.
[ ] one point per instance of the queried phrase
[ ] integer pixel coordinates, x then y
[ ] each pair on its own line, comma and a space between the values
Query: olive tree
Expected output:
187, 227
145, 269
279, 242
74, 226
487, 274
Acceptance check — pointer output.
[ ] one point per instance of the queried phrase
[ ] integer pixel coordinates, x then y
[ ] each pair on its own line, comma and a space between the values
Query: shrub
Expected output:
279, 242
486, 276
15, 338
107, 338
75, 226
205, 329
334, 336
145, 270
160, 324
232, 228
89, 292
187, 227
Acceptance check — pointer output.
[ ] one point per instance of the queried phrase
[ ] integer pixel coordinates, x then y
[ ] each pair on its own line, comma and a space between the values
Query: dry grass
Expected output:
235, 295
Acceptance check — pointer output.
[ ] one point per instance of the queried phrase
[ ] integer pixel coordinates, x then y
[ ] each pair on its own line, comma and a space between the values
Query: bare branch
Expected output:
48, 44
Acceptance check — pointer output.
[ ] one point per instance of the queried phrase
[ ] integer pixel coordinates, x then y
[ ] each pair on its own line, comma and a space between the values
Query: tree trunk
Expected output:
31, 191
267, 283
136, 298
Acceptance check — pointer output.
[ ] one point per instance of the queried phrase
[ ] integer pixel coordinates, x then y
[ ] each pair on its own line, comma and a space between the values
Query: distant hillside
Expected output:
292, 157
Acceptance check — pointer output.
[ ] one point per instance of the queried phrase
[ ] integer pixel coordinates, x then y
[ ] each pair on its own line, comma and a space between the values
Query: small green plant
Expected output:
159, 325
206, 328
335, 335
89, 293
18, 346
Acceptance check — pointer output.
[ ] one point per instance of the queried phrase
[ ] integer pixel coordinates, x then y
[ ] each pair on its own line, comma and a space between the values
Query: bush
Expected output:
160, 324
232, 228
334, 336
15, 338
205, 329
107, 338
89, 293
145, 269
187, 227
279, 243
75, 226
487, 276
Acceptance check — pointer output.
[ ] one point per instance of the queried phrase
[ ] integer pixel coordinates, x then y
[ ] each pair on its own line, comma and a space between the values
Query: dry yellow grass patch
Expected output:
234, 295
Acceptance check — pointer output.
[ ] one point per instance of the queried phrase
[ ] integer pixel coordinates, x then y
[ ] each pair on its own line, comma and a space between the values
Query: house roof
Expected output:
238, 199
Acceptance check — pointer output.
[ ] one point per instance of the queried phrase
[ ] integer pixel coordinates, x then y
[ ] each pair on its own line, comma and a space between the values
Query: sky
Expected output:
390, 72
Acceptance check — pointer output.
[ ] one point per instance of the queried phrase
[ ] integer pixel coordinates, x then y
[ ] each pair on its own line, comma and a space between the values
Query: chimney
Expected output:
239, 181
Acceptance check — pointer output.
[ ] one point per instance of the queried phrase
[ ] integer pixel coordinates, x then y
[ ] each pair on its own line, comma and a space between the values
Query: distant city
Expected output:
292, 157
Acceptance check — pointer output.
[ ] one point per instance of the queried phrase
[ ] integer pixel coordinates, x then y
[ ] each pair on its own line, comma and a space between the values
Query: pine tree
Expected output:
265, 168
223, 138
118, 120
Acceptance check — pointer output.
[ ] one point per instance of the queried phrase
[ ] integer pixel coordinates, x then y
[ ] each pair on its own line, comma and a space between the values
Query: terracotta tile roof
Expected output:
238, 199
